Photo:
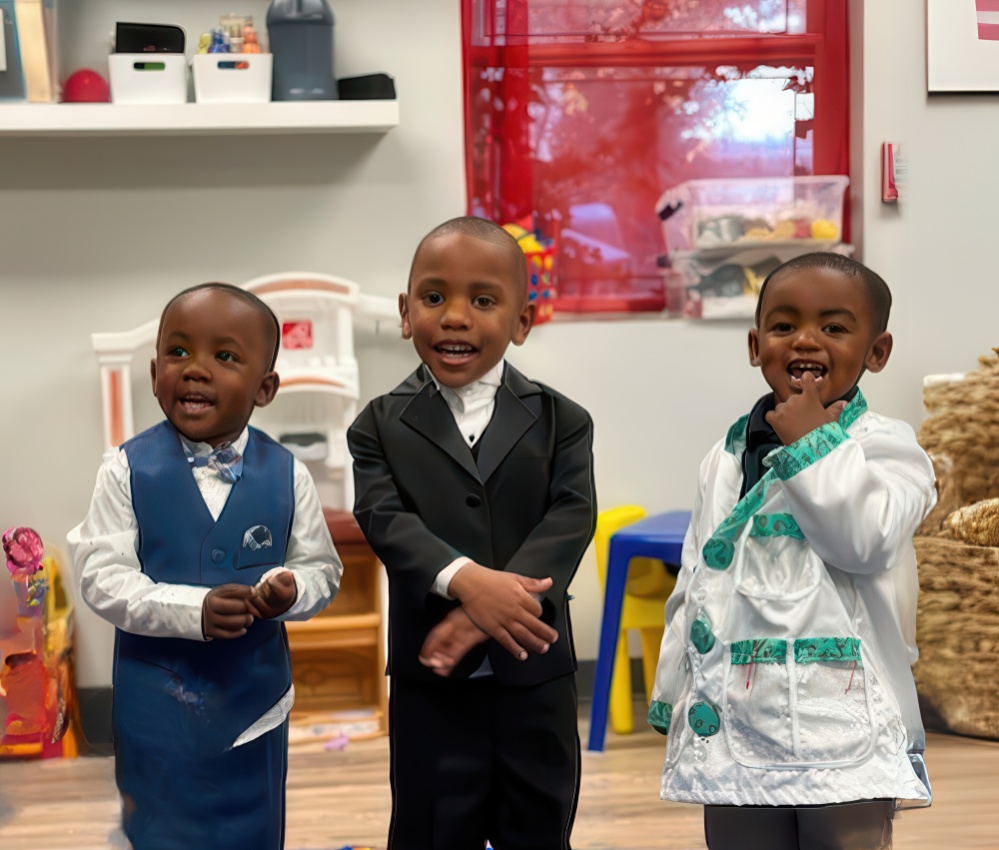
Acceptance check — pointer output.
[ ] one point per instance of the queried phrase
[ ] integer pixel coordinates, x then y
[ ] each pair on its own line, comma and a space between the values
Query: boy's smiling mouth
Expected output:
797, 368
195, 403
454, 352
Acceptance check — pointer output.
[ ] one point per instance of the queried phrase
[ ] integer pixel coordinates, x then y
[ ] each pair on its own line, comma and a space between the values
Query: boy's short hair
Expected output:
247, 296
479, 228
878, 293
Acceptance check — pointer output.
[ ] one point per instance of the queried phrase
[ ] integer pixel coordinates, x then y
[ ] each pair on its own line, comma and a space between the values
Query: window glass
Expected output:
579, 127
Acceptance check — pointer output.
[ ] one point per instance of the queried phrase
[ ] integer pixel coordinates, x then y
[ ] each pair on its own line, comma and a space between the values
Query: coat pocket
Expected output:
758, 712
797, 705
833, 706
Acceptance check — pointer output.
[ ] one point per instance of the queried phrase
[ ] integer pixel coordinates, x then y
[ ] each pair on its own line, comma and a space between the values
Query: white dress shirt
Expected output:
472, 407
104, 548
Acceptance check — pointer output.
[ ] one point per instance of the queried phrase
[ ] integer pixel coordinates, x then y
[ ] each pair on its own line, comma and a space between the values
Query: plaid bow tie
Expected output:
225, 462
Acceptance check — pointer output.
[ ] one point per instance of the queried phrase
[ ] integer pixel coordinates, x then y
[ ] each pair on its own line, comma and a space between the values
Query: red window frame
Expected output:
499, 180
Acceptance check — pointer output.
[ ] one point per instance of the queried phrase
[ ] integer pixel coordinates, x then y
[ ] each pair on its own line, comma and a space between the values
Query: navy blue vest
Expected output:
214, 691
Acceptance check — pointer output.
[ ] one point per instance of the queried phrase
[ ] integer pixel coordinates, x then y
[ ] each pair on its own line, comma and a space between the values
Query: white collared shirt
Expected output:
104, 547
472, 407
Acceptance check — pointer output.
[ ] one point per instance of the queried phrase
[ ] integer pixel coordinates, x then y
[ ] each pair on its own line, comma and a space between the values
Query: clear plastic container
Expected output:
301, 36
705, 214
724, 284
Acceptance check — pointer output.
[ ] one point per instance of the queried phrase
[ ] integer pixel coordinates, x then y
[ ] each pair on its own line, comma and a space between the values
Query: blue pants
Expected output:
183, 800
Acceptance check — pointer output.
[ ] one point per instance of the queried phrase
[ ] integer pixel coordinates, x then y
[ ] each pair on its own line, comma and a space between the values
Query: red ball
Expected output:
85, 86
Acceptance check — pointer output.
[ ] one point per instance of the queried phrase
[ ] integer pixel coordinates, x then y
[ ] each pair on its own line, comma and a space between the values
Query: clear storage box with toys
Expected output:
724, 283
701, 214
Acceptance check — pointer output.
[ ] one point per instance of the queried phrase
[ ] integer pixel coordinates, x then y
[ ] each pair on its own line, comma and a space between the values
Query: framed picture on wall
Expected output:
962, 45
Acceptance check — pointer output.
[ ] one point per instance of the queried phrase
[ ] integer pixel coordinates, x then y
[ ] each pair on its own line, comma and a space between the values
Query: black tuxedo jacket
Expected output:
527, 505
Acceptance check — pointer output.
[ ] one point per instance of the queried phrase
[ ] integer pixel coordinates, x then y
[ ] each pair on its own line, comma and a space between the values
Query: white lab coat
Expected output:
784, 675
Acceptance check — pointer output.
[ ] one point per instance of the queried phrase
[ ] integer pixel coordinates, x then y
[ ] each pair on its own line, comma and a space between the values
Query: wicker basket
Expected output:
957, 634
957, 630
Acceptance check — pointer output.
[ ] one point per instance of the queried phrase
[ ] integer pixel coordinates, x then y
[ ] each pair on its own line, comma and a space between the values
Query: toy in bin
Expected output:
706, 214
540, 256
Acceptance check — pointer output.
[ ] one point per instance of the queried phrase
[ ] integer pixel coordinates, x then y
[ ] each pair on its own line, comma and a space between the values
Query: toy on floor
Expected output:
36, 629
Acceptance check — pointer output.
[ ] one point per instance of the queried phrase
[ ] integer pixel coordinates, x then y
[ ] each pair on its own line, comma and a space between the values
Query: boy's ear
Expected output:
879, 352
407, 329
754, 347
152, 373
267, 390
525, 321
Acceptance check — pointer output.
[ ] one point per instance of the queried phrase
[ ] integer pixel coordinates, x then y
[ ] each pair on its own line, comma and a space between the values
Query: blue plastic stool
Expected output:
660, 536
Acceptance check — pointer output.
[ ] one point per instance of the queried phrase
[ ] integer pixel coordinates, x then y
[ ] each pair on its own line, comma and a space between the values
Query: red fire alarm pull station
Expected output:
892, 171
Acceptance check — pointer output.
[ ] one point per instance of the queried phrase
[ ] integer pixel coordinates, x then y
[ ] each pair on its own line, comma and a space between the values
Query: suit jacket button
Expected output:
218, 556
473, 501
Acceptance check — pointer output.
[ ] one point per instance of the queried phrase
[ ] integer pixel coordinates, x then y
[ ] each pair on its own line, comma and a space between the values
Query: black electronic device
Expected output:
148, 38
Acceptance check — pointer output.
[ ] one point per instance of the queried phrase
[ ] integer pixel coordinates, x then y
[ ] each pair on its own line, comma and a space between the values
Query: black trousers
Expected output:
474, 760
865, 825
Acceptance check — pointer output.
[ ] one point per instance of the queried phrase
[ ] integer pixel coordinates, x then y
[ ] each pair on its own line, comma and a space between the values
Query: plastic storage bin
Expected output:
232, 77
146, 78
725, 284
702, 214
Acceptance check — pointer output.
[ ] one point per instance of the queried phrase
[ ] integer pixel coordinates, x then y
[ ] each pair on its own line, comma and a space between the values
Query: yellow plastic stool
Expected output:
649, 586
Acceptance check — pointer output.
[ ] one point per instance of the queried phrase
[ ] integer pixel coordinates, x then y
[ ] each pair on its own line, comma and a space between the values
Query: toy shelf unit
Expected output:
724, 236
338, 657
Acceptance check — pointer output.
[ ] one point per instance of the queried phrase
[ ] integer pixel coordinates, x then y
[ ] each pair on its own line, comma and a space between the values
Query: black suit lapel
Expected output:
511, 420
429, 415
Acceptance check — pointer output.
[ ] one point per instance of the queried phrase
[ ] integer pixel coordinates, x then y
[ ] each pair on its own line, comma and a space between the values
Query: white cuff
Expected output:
443, 580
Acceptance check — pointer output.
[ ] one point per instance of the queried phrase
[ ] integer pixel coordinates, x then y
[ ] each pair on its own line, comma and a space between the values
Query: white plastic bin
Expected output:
714, 213
146, 78
232, 77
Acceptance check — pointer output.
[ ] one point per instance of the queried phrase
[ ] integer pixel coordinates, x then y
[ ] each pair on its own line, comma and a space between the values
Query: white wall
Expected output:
97, 234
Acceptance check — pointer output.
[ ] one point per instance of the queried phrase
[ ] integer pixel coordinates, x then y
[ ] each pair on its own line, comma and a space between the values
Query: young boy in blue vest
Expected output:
475, 488
203, 536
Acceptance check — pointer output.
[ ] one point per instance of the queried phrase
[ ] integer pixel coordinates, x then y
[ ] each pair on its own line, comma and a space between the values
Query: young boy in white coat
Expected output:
784, 679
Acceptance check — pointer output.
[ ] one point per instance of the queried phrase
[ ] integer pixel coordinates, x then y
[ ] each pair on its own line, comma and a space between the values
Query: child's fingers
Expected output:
231, 621
535, 585
527, 639
835, 409
221, 605
506, 640
231, 591
540, 632
228, 626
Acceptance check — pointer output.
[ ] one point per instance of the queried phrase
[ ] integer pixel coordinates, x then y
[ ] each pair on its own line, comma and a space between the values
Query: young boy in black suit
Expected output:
475, 489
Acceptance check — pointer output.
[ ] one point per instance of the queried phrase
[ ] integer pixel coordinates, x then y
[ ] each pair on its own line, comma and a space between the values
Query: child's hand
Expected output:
225, 612
273, 597
500, 603
803, 412
449, 641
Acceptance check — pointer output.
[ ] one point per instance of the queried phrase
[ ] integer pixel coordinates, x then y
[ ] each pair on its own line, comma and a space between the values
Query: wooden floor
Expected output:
342, 798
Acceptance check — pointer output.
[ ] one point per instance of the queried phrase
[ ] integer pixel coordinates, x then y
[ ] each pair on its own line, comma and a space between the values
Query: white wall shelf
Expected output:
194, 119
